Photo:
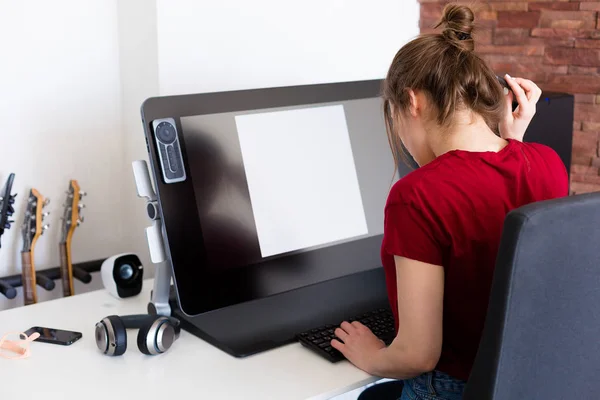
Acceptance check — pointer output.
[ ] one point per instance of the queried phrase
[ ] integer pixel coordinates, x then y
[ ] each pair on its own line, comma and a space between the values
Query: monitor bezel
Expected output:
176, 201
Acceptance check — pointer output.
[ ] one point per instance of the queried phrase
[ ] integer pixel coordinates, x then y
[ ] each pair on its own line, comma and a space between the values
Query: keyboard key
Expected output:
311, 338
318, 341
323, 345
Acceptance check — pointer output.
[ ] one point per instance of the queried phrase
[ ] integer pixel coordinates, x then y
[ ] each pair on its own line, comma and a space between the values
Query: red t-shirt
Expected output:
450, 212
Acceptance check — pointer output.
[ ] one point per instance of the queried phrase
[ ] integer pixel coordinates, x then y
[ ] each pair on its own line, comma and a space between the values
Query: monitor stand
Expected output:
259, 325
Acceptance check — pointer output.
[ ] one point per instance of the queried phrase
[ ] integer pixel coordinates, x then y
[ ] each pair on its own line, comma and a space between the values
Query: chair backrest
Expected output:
542, 333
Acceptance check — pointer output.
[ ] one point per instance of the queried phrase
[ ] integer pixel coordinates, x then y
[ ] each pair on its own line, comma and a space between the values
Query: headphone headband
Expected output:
136, 321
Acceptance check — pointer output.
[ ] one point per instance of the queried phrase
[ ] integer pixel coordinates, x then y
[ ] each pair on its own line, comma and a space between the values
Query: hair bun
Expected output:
458, 21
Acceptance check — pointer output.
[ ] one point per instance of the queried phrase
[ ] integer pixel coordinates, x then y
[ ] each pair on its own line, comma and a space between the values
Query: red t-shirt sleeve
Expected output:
407, 233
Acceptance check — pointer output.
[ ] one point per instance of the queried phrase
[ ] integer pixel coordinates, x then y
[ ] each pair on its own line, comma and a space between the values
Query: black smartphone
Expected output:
54, 336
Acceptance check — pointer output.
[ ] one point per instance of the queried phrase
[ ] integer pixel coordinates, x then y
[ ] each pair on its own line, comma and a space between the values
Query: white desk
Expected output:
191, 366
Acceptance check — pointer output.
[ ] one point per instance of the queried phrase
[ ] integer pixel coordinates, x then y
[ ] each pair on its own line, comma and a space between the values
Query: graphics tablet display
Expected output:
270, 190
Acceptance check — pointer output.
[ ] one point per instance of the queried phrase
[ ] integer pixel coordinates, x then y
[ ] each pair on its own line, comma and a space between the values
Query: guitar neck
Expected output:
28, 277
66, 269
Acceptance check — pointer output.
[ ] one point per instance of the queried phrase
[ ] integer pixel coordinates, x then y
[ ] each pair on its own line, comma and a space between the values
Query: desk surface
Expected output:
191, 365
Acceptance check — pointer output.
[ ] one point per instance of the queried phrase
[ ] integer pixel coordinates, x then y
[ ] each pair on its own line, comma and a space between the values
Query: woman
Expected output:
443, 221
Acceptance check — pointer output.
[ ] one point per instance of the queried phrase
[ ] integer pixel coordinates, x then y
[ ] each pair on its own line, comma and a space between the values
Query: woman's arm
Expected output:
417, 347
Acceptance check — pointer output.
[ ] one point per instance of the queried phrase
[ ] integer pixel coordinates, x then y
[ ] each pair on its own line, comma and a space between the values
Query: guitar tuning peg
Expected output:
81, 219
82, 193
45, 227
7, 225
46, 202
81, 205
10, 210
11, 199
44, 215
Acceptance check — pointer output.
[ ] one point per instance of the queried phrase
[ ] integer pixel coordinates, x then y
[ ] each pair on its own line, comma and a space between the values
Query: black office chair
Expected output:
542, 334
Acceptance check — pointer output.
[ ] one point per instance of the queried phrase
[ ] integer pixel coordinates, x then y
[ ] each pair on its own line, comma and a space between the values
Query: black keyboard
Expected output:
381, 323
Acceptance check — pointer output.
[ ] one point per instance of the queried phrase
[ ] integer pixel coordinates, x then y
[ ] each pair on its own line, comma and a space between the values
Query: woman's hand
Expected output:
360, 344
515, 123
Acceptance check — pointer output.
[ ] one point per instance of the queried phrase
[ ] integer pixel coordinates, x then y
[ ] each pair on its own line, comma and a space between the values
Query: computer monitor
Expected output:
270, 190
552, 125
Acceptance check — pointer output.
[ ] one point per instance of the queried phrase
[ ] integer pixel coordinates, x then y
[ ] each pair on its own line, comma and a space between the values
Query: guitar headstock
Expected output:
33, 223
6, 204
72, 215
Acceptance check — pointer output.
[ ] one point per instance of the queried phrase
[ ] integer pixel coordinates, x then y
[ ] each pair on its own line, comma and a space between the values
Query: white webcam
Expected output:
122, 275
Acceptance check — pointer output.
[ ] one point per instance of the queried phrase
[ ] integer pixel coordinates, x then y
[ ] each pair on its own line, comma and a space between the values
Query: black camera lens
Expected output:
125, 271
166, 132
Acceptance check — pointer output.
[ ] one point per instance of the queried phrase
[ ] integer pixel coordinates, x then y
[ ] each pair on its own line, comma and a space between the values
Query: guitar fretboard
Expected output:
66, 270
28, 276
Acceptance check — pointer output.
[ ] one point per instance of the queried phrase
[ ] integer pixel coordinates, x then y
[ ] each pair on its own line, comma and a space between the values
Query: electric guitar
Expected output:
71, 219
32, 229
6, 204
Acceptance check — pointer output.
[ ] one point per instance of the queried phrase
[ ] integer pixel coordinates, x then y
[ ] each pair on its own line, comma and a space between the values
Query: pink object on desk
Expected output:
19, 347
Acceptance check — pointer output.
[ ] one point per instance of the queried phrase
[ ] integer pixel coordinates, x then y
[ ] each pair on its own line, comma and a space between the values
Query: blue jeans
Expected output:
433, 385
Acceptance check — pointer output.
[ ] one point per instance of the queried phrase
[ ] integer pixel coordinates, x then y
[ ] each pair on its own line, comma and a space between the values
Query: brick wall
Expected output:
557, 45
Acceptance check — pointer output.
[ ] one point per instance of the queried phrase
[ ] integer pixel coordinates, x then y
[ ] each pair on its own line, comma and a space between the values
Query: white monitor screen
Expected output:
299, 165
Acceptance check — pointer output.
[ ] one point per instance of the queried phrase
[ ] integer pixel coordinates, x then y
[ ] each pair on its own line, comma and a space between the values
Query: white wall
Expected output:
206, 46
61, 114
78, 72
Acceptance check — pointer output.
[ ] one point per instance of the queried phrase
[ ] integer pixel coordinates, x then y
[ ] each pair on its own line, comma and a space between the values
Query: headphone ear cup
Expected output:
157, 336
118, 338
142, 338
